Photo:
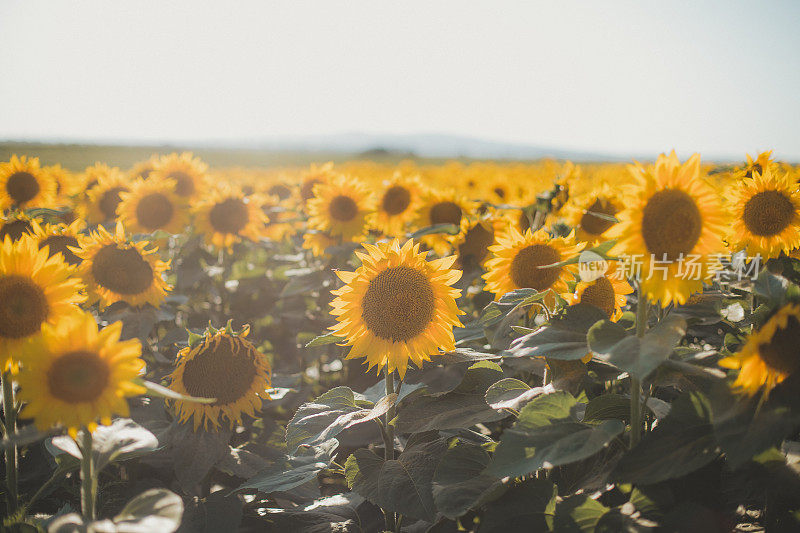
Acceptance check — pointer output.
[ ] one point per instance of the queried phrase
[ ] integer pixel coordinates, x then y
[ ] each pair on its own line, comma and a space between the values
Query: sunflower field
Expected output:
368, 347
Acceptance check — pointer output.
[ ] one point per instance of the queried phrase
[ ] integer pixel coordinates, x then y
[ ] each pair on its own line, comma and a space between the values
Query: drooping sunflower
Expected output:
80, 374
152, 205
592, 214
397, 204
222, 365
103, 199
59, 239
520, 261
766, 215
341, 207
672, 215
15, 226
397, 306
770, 354
35, 289
227, 216
118, 270
24, 183
442, 207
187, 171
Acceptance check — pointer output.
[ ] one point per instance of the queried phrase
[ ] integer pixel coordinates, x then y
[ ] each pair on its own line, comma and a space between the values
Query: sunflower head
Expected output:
116, 269
759, 165
15, 226
152, 205
443, 207
474, 239
224, 365
35, 289
766, 214
142, 169
671, 215
227, 216
59, 239
592, 214
397, 204
608, 293
80, 374
188, 173
105, 195
397, 306
316, 175
525, 261
341, 207
23, 184
770, 354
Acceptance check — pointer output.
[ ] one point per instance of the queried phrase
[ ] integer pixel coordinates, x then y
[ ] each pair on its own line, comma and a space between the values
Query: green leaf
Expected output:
608, 406
403, 485
548, 434
122, 440
156, 510
511, 393
528, 506
305, 284
579, 514
683, 442
771, 287
292, 471
460, 483
330, 414
325, 339
461, 407
154, 389
603, 335
449, 229
563, 338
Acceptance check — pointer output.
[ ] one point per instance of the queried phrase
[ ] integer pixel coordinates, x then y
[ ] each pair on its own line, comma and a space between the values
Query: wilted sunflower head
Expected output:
24, 184
341, 207
766, 215
152, 205
34, 290
116, 269
224, 365
770, 354
80, 374
188, 173
397, 306
59, 239
671, 215
525, 261
104, 197
227, 216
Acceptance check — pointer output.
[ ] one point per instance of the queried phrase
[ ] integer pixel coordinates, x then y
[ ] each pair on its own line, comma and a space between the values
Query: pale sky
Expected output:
637, 77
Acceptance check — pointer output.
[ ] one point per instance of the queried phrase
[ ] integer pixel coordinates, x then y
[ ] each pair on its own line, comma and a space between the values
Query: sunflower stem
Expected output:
88, 477
642, 310
388, 439
10, 414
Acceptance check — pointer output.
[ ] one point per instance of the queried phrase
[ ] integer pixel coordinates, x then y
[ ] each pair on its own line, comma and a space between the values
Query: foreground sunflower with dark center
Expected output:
80, 374
341, 207
118, 270
35, 289
187, 171
771, 354
24, 184
223, 365
522, 261
672, 215
152, 205
397, 306
227, 216
766, 215
59, 239
397, 204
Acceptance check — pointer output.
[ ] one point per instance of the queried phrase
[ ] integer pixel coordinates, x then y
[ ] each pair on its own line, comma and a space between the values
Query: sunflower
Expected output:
759, 165
59, 239
766, 211
35, 289
607, 293
24, 184
520, 261
118, 270
592, 214
318, 242
15, 227
341, 207
398, 204
152, 205
222, 365
672, 216
474, 239
104, 197
314, 176
187, 171
80, 374
227, 216
443, 207
397, 306
770, 354
67, 184
142, 169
